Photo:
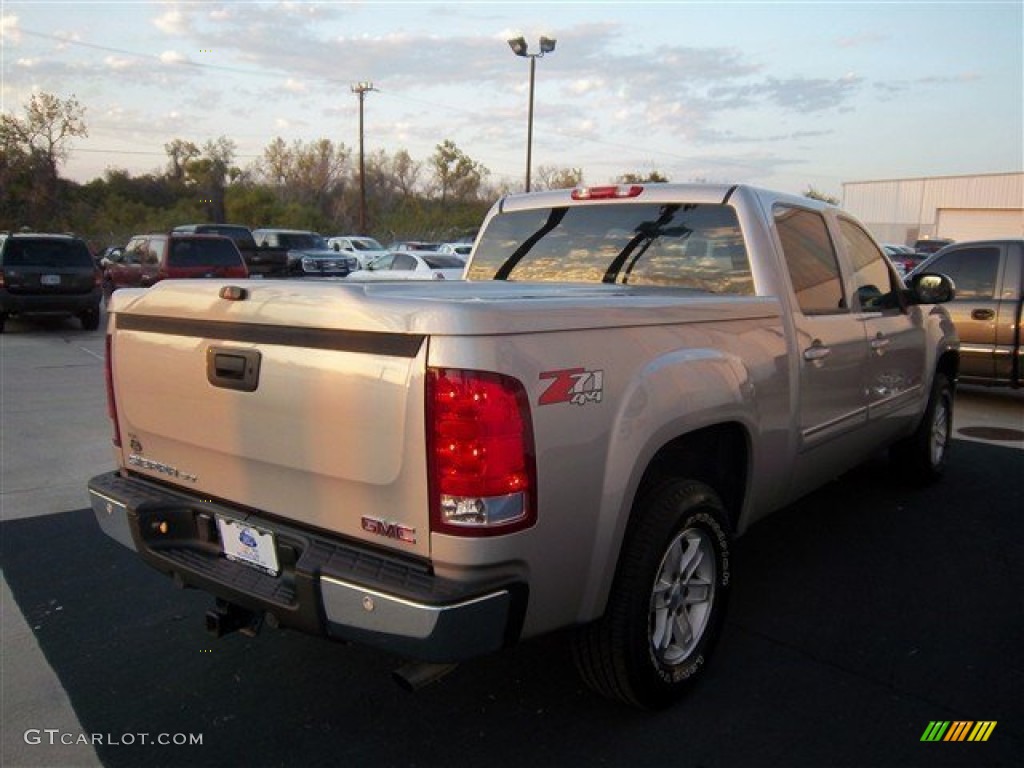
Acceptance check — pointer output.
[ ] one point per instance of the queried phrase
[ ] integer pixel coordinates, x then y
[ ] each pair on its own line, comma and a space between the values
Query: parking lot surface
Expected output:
860, 615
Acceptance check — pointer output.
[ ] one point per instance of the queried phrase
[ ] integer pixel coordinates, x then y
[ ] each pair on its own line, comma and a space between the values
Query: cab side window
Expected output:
973, 271
873, 281
811, 261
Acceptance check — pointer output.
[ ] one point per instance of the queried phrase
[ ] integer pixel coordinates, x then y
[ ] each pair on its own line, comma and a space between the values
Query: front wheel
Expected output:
667, 603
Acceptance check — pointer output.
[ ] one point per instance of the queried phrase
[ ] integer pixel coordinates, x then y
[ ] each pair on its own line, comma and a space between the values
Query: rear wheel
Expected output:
667, 603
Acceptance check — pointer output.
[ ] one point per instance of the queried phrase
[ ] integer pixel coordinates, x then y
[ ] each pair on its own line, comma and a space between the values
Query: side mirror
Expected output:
932, 288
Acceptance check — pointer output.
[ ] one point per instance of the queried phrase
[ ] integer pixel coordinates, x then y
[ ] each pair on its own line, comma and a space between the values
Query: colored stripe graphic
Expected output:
958, 730
982, 730
935, 731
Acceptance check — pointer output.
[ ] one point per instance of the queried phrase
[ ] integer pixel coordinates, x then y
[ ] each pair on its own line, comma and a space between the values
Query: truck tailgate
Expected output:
318, 420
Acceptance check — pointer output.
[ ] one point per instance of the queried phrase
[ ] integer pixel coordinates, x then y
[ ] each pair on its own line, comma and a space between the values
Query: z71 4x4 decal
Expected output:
573, 385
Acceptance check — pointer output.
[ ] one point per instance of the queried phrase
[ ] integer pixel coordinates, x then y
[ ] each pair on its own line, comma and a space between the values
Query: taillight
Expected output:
607, 193
482, 472
111, 404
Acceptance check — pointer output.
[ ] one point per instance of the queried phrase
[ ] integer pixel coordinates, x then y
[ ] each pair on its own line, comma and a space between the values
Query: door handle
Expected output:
982, 314
879, 343
816, 352
233, 368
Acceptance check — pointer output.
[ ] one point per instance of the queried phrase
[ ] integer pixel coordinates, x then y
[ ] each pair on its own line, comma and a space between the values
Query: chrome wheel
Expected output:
940, 431
683, 596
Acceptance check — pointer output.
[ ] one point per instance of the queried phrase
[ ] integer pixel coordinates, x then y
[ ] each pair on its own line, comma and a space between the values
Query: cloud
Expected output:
173, 57
119, 62
173, 22
9, 31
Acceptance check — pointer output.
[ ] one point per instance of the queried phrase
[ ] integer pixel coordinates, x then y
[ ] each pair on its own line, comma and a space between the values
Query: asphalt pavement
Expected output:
860, 616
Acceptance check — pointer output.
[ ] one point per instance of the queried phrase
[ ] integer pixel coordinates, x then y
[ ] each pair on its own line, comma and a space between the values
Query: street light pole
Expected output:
519, 48
361, 89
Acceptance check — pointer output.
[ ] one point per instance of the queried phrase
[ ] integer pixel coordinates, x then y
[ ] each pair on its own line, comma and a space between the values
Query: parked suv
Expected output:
147, 259
41, 273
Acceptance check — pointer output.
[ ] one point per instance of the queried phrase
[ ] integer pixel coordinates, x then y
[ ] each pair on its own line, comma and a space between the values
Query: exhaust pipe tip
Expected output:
416, 675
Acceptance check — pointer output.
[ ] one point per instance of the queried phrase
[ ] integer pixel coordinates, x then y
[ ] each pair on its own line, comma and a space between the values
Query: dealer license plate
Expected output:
246, 544
50, 279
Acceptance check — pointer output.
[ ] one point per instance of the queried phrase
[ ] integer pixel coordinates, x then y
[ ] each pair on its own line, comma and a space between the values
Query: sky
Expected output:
784, 95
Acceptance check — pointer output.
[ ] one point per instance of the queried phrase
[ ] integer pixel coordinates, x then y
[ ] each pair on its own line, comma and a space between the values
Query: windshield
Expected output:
302, 241
698, 246
367, 244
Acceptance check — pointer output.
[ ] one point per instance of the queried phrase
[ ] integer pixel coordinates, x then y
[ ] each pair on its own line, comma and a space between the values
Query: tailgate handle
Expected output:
233, 368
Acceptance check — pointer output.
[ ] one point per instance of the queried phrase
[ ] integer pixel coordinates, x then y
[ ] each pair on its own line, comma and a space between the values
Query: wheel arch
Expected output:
718, 455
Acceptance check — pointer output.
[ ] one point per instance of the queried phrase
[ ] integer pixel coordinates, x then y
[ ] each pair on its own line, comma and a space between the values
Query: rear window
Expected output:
204, 253
440, 261
697, 246
45, 252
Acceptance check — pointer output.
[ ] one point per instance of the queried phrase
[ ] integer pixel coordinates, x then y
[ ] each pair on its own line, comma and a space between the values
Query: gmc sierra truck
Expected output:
572, 437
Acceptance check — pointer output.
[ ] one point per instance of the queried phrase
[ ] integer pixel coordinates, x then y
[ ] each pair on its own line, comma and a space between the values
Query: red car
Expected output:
147, 259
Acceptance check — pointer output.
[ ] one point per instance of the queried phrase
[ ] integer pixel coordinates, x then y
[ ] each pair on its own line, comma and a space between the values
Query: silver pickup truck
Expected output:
629, 377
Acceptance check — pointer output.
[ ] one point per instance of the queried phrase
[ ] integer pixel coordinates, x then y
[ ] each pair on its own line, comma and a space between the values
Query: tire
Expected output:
3, 321
90, 319
667, 602
923, 455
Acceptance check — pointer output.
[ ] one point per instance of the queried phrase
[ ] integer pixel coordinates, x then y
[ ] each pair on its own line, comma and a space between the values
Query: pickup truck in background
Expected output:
987, 311
308, 252
261, 260
630, 377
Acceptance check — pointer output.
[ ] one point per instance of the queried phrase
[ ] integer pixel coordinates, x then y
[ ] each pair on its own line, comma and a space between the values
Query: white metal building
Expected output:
957, 207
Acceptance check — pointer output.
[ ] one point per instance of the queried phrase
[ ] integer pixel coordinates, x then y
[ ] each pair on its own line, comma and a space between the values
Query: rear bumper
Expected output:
29, 303
326, 586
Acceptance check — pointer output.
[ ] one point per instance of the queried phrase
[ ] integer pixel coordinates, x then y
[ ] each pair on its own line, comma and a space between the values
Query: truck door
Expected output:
831, 348
894, 372
975, 271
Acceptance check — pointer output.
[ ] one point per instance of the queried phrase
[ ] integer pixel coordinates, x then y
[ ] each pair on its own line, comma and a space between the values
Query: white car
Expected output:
365, 249
456, 249
407, 265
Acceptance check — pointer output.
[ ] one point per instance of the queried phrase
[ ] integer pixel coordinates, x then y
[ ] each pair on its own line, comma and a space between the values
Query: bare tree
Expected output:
552, 177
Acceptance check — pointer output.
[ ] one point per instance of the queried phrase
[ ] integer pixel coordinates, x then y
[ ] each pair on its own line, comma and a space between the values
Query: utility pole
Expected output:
361, 89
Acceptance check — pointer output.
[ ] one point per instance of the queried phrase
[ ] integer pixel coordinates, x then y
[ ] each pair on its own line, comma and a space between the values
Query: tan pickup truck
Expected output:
989, 305
571, 437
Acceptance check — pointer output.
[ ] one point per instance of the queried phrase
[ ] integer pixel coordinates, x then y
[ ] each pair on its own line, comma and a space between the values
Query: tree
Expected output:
654, 177
210, 173
32, 149
181, 153
551, 177
456, 175
815, 194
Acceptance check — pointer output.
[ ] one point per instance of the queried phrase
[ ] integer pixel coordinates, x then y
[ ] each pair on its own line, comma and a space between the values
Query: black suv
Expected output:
43, 274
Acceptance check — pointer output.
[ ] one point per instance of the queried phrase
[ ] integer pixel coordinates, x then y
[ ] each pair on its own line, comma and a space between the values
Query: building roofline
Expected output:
931, 178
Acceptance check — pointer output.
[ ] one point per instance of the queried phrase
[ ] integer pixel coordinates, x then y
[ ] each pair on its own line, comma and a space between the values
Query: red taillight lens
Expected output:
482, 471
111, 404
